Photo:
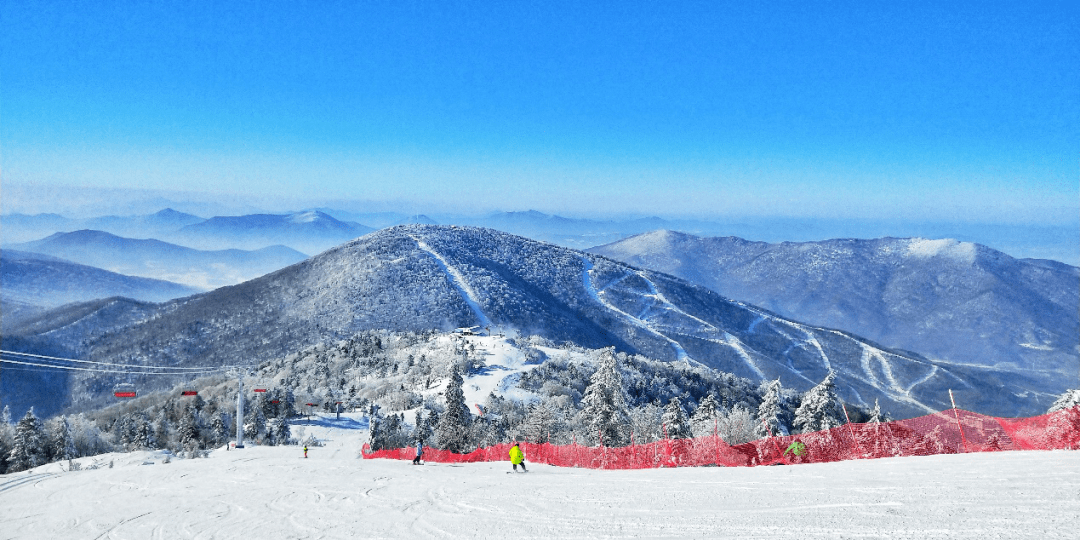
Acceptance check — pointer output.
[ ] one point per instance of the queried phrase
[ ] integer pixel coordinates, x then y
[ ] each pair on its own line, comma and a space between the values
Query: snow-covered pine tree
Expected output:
7, 438
875, 415
539, 424
604, 404
820, 408
422, 428
255, 427
28, 446
706, 418
189, 428
277, 431
675, 422
453, 428
645, 421
161, 430
770, 412
1068, 400
219, 428
143, 432
61, 442
738, 426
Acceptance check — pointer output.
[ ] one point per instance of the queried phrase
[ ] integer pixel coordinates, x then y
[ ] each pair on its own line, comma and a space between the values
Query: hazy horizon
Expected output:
840, 113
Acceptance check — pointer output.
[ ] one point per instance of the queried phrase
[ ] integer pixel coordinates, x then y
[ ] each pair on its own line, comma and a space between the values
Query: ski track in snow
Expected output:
729, 340
680, 353
273, 492
467, 293
894, 389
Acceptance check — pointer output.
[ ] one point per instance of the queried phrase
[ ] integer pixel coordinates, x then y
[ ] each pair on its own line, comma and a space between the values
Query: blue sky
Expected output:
941, 111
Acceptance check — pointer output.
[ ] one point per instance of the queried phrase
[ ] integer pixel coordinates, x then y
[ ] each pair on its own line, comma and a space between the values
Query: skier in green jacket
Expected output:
517, 457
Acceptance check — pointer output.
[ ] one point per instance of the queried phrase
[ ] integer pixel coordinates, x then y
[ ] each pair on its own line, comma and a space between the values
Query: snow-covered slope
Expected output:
962, 305
422, 277
273, 492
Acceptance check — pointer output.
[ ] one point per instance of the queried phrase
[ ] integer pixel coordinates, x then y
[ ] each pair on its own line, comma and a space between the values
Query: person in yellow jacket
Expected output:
517, 457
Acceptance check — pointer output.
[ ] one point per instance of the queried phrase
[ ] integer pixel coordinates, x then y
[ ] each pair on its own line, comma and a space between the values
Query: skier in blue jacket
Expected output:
419, 452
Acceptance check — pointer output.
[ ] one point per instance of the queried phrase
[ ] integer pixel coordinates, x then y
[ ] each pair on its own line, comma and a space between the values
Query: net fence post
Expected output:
956, 413
852, 430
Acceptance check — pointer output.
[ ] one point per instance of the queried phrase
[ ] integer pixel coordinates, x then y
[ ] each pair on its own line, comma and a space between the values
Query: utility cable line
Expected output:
178, 370
101, 370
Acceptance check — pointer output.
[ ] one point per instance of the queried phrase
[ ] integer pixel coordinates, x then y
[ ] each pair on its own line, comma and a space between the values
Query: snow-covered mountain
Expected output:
958, 303
31, 279
162, 260
422, 277
310, 232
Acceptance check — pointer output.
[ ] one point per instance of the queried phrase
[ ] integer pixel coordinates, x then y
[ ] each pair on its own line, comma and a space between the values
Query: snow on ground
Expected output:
504, 362
273, 492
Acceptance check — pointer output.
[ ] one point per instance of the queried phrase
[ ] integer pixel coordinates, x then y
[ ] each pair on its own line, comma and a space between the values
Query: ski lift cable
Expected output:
147, 370
199, 369
100, 370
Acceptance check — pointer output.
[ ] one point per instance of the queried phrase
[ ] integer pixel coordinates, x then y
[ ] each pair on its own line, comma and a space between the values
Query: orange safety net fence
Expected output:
947, 432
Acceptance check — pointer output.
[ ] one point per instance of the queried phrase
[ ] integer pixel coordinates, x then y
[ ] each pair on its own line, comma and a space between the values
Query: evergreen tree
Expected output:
771, 413
277, 431
539, 423
675, 422
189, 428
706, 419
7, 438
1068, 400
820, 408
61, 441
161, 430
453, 428
28, 446
604, 404
219, 428
255, 427
875, 415
422, 429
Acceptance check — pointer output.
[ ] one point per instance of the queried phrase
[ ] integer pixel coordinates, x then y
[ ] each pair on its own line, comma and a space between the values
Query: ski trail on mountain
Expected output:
729, 340
891, 386
586, 279
811, 339
458, 280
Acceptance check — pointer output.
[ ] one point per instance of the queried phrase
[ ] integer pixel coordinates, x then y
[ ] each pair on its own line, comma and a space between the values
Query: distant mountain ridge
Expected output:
30, 282
162, 260
310, 232
956, 302
421, 277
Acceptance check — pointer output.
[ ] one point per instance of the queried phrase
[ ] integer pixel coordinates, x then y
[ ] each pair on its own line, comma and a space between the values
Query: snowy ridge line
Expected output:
680, 353
467, 293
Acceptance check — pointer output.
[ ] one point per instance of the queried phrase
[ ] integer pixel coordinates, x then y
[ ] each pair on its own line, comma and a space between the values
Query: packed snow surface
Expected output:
273, 492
